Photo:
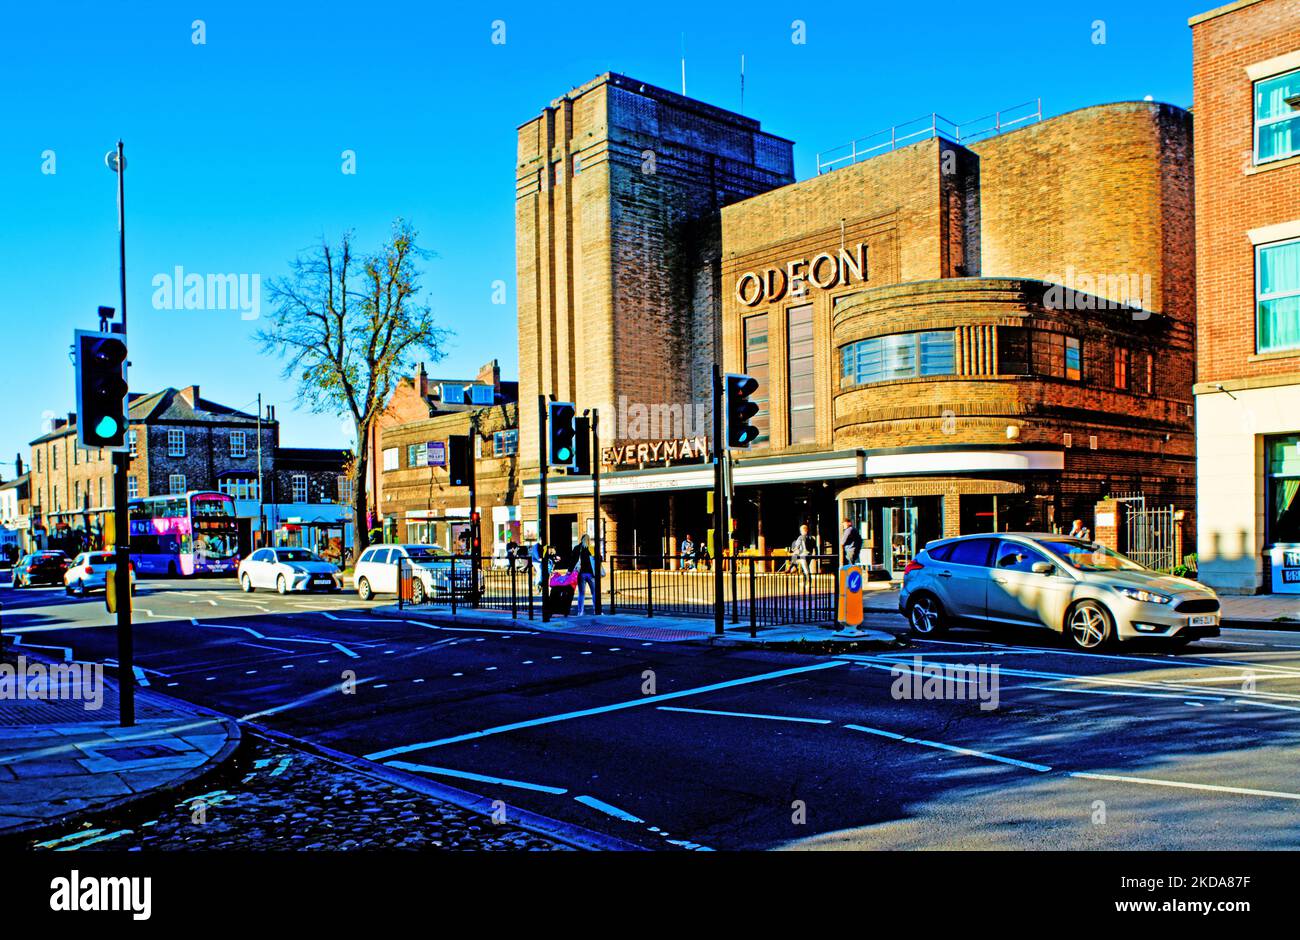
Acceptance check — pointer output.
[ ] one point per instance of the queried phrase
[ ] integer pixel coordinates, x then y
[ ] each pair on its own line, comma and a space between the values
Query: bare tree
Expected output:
348, 327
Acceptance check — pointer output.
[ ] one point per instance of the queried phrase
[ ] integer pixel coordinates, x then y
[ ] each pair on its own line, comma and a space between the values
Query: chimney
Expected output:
490, 374
421, 380
191, 395
18, 466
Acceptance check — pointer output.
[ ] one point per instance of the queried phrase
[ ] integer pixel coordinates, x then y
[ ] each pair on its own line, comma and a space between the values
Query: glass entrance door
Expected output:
898, 526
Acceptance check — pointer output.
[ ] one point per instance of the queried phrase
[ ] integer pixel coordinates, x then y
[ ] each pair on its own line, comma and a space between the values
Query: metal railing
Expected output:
926, 127
758, 590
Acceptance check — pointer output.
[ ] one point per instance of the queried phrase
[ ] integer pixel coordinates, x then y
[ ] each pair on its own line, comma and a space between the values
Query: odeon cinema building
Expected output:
953, 331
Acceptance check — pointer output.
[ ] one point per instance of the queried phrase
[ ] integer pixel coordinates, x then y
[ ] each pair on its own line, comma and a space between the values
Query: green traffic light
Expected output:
562, 453
107, 427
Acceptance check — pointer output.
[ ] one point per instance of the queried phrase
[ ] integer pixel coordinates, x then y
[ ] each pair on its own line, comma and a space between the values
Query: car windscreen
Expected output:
1086, 556
103, 558
425, 553
296, 555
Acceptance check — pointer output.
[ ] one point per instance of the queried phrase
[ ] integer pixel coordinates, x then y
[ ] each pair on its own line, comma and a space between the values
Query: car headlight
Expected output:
1143, 595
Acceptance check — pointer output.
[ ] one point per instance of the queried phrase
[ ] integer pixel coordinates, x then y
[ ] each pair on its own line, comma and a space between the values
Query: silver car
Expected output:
1087, 592
288, 569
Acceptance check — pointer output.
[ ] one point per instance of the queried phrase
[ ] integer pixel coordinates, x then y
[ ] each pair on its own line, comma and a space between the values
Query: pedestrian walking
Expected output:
585, 567
803, 548
850, 542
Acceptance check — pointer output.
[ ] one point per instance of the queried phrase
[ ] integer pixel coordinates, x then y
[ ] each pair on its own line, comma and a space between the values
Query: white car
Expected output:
89, 572
288, 569
431, 567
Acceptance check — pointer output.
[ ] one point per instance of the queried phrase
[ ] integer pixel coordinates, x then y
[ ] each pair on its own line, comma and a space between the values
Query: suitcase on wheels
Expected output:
559, 601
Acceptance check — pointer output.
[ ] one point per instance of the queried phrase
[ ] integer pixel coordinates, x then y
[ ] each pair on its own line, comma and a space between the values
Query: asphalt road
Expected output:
684, 746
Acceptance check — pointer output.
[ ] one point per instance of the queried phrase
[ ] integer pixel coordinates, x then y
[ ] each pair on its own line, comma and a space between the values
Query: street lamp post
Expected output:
116, 161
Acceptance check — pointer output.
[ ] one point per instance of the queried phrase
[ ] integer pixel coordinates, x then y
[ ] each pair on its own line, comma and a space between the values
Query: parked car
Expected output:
89, 572
288, 569
1088, 593
431, 566
45, 567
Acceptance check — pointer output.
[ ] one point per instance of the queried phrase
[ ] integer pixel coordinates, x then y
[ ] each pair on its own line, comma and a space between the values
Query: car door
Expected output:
384, 570
1018, 594
963, 578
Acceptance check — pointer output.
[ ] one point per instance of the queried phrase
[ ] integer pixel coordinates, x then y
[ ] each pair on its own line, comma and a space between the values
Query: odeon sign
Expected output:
823, 271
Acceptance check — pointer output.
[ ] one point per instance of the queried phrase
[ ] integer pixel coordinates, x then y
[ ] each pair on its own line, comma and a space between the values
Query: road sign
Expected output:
849, 612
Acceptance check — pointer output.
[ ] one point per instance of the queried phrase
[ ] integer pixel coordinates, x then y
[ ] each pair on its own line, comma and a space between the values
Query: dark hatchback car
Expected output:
41, 568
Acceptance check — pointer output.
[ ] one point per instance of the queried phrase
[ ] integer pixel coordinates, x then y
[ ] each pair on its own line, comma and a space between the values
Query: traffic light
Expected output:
458, 460
101, 390
737, 390
582, 447
564, 433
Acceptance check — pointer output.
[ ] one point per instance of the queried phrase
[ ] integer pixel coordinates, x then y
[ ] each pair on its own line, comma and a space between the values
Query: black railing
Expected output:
758, 590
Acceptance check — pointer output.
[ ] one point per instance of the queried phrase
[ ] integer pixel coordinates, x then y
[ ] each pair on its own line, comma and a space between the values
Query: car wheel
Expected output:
282, 585
417, 592
247, 584
1088, 626
364, 591
925, 616
67, 589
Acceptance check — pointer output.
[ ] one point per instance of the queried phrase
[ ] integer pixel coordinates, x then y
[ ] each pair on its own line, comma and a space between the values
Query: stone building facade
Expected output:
1246, 67
181, 442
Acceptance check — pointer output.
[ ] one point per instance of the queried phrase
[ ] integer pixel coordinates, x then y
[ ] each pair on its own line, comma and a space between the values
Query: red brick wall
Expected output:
1232, 195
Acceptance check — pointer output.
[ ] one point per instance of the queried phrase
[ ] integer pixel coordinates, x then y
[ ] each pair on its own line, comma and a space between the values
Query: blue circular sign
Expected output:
854, 581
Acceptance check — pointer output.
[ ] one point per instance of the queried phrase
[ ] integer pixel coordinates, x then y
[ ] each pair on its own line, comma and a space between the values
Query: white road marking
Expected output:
1048, 688
608, 810
481, 778
1183, 785
1041, 768
603, 709
709, 711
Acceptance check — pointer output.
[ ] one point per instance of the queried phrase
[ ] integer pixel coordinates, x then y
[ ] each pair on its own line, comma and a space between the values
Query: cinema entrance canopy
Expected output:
650, 509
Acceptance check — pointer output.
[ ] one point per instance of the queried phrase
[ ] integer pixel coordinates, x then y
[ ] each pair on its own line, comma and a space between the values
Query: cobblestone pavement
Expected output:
273, 798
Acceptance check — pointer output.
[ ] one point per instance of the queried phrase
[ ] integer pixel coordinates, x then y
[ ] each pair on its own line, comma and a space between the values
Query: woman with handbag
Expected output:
585, 567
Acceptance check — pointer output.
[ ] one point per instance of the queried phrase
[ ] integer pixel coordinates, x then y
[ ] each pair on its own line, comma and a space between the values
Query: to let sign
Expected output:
437, 453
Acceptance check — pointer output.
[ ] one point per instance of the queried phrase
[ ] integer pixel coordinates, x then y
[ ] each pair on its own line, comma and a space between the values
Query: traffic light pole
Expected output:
122, 525
599, 554
541, 506
719, 507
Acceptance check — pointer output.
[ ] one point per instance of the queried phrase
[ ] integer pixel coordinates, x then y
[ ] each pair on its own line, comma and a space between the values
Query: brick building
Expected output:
951, 336
180, 442
411, 498
15, 511
1246, 64
618, 246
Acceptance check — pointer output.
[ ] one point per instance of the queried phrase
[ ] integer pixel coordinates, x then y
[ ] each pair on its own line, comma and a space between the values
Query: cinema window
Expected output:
1013, 350
899, 356
756, 365
803, 415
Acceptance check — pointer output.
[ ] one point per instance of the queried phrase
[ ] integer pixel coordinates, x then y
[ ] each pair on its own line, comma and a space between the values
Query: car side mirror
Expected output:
1042, 567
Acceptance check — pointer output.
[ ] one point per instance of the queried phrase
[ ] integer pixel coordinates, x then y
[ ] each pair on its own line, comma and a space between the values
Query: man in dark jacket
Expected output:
850, 543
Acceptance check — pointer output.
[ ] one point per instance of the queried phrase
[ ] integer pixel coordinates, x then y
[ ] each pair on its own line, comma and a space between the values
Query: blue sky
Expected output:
234, 146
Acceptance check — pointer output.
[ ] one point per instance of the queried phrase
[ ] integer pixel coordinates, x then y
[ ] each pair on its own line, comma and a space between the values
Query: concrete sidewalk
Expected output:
59, 758
1261, 610
628, 626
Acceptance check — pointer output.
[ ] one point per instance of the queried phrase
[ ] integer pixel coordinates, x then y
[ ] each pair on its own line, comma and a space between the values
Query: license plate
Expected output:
1204, 620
